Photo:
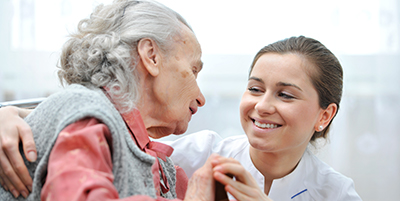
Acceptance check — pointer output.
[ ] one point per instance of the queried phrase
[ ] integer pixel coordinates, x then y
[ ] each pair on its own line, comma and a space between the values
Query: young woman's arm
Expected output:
14, 175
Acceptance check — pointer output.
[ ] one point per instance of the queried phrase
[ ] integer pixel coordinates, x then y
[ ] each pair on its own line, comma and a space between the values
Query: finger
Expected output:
252, 194
220, 160
239, 196
28, 143
239, 190
13, 157
202, 185
8, 185
3, 184
238, 171
227, 181
10, 177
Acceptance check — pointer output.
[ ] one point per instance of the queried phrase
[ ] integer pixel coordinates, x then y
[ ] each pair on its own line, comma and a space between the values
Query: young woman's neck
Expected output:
275, 165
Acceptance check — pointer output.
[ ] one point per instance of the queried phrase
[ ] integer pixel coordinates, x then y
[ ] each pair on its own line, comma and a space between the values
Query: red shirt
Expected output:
80, 165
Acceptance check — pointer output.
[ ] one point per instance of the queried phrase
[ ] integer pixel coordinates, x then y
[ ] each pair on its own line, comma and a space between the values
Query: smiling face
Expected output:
176, 93
280, 109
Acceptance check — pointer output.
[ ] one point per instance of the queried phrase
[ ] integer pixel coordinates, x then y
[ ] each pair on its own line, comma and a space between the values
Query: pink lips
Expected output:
193, 110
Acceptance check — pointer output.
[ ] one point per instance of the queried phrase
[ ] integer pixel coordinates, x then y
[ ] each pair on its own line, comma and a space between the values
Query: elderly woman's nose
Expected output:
201, 100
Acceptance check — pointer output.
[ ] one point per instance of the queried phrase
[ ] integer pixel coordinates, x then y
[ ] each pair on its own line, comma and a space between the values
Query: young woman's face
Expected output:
280, 109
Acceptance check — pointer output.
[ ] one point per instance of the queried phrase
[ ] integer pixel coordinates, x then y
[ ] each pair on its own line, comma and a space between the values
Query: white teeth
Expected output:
265, 125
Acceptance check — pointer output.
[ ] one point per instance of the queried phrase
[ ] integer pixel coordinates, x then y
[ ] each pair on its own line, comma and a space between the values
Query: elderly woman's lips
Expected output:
193, 110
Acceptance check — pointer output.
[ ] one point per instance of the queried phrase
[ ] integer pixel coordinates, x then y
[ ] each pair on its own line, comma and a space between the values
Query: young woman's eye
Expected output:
285, 95
254, 90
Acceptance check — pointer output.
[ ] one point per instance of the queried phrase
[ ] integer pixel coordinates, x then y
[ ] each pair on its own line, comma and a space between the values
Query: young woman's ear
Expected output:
326, 116
150, 56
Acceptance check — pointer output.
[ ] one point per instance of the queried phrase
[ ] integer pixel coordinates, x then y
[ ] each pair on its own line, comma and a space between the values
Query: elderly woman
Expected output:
131, 72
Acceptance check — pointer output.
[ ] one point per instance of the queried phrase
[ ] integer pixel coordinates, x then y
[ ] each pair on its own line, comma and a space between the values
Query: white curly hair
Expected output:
103, 51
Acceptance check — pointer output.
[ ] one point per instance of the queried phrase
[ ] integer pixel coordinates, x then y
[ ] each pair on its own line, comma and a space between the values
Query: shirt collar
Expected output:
139, 134
135, 123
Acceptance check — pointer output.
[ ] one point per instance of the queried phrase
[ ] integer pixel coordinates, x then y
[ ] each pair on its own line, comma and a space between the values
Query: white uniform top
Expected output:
311, 180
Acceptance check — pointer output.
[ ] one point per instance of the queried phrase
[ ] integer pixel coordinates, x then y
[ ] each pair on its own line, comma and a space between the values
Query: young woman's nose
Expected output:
266, 105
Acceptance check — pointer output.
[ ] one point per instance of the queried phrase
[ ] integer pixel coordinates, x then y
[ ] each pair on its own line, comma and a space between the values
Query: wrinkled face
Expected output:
176, 89
279, 109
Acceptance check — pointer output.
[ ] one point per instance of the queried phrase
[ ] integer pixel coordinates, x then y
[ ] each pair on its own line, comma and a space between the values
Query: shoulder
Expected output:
76, 99
326, 183
231, 146
73, 96
71, 104
77, 94
198, 139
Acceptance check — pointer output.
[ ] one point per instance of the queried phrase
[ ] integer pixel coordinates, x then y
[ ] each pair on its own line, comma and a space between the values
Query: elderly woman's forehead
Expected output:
185, 35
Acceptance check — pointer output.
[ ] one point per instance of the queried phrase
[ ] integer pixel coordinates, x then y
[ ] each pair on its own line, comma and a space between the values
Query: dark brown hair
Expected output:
327, 73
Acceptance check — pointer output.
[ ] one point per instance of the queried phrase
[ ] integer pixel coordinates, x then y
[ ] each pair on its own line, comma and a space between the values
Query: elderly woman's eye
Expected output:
195, 71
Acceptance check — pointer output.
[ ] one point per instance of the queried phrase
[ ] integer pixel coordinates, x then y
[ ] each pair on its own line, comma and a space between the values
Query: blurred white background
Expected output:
364, 34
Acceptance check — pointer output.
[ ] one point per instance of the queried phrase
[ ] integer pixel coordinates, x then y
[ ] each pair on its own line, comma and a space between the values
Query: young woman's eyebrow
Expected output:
285, 84
256, 79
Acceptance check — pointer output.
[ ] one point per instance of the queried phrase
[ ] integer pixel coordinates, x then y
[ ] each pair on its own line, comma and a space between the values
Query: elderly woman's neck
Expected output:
155, 128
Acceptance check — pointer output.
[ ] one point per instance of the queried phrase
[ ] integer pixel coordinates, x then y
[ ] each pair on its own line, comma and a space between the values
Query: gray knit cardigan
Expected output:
131, 166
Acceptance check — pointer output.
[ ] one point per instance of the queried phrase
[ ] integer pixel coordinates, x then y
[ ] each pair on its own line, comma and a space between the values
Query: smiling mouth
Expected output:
263, 125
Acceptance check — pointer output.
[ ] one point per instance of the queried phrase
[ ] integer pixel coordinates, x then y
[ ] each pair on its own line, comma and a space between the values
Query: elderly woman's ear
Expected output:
150, 55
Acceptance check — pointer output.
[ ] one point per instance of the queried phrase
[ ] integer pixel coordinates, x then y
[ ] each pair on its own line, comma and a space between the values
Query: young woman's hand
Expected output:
243, 187
14, 175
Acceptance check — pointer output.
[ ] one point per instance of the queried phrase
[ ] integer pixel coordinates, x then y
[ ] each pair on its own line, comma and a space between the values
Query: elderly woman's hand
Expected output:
244, 187
201, 185
14, 175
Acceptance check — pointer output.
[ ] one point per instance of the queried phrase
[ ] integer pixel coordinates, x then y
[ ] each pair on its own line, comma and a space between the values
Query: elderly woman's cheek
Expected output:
185, 74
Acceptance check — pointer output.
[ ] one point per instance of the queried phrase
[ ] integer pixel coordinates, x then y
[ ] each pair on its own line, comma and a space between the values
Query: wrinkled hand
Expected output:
244, 188
14, 175
201, 185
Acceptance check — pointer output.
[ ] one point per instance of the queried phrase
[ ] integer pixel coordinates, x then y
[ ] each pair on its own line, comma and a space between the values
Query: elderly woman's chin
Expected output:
181, 126
176, 128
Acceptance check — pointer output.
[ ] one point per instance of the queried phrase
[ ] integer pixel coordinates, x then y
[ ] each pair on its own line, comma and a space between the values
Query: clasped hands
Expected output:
230, 176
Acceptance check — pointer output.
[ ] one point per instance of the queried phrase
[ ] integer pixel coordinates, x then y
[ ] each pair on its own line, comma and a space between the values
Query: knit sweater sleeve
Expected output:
80, 165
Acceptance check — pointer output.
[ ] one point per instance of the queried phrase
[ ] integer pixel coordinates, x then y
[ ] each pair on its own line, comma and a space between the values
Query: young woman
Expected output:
293, 94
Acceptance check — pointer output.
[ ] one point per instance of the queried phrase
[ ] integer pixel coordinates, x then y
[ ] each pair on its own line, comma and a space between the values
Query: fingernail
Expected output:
24, 194
15, 193
29, 188
32, 156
